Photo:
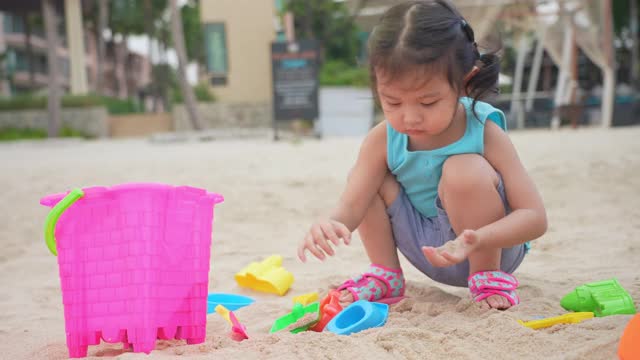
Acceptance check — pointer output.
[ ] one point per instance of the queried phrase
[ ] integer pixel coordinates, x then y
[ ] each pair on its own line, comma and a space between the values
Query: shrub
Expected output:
23, 102
117, 106
338, 73
33, 102
11, 134
201, 91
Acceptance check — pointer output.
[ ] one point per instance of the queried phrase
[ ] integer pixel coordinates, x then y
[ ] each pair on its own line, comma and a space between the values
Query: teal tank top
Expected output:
419, 172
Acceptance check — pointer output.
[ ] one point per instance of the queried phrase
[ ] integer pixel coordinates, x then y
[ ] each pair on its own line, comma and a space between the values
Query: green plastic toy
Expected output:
603, 298
54, 214
298, 312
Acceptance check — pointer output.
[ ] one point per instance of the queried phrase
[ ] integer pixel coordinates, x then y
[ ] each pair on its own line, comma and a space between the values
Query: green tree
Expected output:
154, 19
178, 44
164, 83
125, 17
330, 23
133, 17
621, 13
193, 34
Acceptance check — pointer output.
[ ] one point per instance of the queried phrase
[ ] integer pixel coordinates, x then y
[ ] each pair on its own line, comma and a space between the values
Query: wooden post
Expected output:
633, 25
563, 77
609, 76
190, 102
535, 69
571, 92
289, 29
103, 9
53, 100
75, 37
516, 103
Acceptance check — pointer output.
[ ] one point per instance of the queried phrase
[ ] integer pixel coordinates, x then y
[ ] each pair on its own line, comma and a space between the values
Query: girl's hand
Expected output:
454, 251
318, 237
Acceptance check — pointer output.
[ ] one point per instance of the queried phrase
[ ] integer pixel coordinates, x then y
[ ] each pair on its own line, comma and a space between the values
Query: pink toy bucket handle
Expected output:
54, 215
217, 198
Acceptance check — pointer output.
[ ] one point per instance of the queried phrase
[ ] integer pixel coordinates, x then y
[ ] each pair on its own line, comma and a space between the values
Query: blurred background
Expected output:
125, 68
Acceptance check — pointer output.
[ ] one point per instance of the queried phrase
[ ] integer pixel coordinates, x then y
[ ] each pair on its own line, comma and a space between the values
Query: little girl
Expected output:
439, 179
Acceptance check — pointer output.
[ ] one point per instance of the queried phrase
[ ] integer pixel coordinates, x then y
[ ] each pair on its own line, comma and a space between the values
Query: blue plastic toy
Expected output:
232, 302
360, 315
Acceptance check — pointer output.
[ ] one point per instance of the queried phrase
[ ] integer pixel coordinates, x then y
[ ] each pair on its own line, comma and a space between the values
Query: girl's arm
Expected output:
528, 219
364, 180
363, 183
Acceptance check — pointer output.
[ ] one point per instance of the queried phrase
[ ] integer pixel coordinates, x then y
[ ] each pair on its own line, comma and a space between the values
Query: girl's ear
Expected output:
474, 70
471, 74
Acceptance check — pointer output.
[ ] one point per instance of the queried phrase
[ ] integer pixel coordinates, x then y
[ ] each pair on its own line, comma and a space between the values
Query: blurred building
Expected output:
30, 73
14, 46
238, 36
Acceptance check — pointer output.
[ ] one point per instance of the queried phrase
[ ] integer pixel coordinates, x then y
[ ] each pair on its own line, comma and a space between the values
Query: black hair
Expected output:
431, 35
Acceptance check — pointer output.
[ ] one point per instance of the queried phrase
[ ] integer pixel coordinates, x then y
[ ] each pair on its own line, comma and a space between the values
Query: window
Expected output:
215, 38
13, 24
22, 62
18, 60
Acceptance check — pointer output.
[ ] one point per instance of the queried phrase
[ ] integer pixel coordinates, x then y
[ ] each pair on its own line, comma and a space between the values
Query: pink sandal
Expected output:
364, 287
487, 283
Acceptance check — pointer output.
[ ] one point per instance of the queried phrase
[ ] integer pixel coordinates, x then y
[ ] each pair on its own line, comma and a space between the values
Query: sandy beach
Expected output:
589, 179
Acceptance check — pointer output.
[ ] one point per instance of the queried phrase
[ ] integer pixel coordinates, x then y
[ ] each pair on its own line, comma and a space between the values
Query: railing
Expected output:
38, 43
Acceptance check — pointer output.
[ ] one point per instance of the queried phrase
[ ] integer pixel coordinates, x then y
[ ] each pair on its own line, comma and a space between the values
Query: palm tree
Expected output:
53, 101
151, 34
103, 16
178, 43
26, 19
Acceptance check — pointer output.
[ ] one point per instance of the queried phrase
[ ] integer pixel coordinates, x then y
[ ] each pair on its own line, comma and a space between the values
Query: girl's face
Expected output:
416, 107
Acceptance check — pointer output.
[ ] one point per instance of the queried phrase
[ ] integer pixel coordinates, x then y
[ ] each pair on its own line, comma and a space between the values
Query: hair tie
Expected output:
467, 30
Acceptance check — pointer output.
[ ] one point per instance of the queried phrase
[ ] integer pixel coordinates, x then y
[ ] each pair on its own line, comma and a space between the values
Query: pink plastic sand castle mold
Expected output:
134, 263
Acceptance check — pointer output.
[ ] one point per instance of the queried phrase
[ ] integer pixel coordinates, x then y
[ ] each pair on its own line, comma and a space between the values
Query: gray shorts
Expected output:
412, 231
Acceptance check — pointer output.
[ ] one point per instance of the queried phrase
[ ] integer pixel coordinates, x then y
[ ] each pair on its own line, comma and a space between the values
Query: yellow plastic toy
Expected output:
306, 299
266, 276
570, 318
224, 312
238, 331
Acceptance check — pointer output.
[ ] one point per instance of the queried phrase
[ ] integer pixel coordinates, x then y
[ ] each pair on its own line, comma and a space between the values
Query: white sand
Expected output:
590, 180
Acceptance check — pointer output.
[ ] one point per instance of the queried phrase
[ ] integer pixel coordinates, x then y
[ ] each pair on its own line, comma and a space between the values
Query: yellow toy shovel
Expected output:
570, 318
238, 331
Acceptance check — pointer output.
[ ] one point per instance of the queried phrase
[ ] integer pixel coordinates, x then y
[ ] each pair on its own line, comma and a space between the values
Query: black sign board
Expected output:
295, 80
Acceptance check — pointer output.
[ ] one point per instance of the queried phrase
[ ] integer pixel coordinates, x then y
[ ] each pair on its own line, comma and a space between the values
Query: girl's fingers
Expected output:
452, 259
317, 239
435, 257
310, 245
327, 229
320, 241
343, 232
301, 249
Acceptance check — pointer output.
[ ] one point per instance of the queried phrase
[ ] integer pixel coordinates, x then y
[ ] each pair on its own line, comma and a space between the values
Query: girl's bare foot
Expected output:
496, 302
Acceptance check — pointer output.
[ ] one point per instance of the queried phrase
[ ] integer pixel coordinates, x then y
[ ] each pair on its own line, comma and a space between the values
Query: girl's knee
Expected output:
466, 172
